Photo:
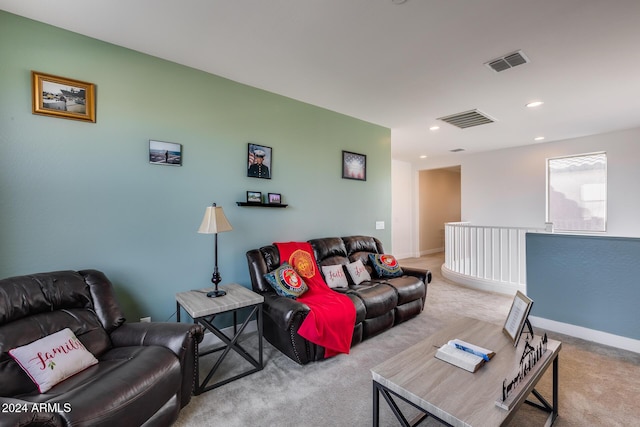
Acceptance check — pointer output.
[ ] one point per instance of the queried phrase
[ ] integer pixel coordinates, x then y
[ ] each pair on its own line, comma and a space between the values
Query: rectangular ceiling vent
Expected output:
467, 119
507, 61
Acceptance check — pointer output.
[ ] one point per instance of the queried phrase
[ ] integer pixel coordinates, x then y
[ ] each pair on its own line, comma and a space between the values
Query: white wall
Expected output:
403, 206
507, 187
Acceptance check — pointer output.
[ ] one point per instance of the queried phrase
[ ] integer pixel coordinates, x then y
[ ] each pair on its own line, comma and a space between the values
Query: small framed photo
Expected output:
259, 161
165, 153
254, 197
354, 166
62, 97
275, 198
518, 317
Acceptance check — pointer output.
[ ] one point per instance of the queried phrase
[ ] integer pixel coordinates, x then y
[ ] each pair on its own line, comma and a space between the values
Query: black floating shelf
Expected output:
262, 205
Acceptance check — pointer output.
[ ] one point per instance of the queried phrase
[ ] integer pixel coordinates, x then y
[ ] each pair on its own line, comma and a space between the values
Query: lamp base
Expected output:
216, 293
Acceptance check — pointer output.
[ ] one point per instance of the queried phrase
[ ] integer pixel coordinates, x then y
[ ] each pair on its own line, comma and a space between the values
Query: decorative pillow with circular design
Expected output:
385, 265
286, 281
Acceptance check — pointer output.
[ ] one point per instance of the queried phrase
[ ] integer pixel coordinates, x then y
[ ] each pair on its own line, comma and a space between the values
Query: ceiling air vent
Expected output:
467, 119
508, 61
457, 150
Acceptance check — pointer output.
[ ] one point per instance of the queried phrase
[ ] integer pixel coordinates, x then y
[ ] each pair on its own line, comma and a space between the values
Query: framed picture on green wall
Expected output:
354, 166
165, 153
259, 161
62, 97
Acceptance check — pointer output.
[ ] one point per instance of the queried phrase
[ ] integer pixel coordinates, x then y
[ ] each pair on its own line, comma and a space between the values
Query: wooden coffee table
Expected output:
457, 397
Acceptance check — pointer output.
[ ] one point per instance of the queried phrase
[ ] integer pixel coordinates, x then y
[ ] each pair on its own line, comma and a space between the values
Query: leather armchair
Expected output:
145, 373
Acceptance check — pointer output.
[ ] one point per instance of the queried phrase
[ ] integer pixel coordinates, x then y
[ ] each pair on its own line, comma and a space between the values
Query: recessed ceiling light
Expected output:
538, 138
424, 156
535, 104
434, 128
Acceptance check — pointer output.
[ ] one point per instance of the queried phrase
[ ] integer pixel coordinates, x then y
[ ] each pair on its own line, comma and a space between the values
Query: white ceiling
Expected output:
398, 65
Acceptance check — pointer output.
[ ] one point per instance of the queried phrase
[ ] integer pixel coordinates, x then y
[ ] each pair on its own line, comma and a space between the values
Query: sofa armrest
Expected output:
424, 275
283, 310
19, 413
181, 338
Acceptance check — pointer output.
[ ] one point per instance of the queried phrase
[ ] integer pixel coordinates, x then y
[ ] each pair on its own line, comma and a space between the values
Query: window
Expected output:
577, 192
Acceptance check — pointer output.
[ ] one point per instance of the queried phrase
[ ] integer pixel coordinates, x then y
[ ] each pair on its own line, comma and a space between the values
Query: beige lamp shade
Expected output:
214, 221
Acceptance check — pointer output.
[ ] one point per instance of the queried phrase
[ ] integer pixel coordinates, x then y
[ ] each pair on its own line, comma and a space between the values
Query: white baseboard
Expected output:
587, 334
431, 251
211, 340
481, 284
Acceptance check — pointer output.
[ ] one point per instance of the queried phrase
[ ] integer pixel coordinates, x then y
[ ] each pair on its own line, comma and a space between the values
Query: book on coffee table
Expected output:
464, 355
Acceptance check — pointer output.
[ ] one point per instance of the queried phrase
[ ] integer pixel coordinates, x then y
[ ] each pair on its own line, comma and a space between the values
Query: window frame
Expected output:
606, 193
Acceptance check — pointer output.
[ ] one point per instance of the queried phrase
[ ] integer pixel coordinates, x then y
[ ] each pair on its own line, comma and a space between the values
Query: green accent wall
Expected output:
76, 195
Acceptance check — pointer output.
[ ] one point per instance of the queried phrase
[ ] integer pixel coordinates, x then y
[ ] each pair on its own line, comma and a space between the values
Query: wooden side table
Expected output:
204, 310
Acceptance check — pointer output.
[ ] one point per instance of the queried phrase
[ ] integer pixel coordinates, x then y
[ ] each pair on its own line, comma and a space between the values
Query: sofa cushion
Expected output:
329, 251
334, 276
385, 265
357, 272
409, 288
53, 359
286, 281
82, 322
378, 298
127, 385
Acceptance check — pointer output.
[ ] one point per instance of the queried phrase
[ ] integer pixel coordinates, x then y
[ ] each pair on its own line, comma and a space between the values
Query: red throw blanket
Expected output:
332, 317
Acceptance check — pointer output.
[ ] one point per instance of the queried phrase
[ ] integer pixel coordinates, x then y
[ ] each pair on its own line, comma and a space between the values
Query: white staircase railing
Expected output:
486, 257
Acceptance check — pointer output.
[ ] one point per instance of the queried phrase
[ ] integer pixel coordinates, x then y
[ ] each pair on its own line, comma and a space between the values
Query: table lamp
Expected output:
215, 222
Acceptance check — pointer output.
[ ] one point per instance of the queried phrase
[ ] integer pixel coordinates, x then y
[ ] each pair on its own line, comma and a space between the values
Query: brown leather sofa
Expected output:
380, 303
145, 371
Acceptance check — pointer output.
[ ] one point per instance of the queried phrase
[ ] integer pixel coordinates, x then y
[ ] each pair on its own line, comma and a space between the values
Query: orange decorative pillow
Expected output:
53, 359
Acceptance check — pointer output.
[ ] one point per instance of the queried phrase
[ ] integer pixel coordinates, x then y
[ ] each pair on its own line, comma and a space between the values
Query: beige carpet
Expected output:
599, 385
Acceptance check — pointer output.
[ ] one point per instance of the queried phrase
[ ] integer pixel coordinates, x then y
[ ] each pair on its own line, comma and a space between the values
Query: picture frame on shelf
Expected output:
165, 153
259, 161
518, 317
62, 97
275, 198
254, 197
354, 166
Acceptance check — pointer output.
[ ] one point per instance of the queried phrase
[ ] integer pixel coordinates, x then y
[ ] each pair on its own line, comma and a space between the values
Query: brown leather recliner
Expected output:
380, 303
145, 371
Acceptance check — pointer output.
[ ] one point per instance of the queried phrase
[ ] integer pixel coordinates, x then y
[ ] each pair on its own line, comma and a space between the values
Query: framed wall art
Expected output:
274, 198
62, 97
254, 197
354, 166
259, 161
165, 153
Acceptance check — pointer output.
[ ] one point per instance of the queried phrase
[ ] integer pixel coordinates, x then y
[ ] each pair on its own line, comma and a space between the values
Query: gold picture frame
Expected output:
62, 97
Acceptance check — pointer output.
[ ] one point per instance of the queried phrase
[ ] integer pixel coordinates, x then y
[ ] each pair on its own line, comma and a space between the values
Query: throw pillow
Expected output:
286, 281
334, 276
358, 272
53, 359
385, 265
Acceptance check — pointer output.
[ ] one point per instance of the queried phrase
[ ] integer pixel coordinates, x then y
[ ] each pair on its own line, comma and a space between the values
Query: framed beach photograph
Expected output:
275, 198
254, 197
165, 153
518, 317
259, 161
354, 166
62, 97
